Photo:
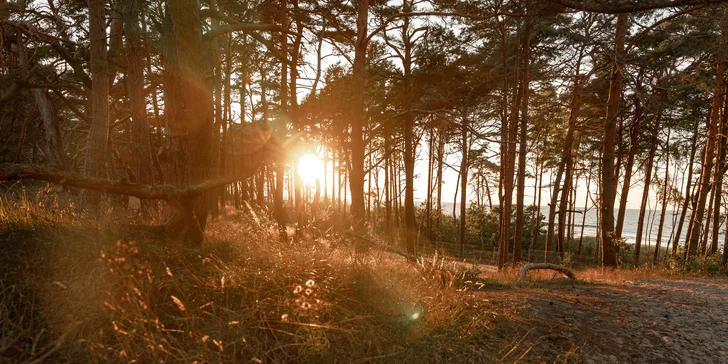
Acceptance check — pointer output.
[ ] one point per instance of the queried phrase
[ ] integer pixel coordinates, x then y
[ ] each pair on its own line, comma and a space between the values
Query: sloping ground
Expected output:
651, 321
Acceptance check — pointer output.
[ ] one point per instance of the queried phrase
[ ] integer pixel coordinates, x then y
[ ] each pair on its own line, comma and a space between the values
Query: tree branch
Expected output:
630, 6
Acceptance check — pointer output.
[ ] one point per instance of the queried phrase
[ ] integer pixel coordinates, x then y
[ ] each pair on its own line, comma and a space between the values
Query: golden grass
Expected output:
79, 289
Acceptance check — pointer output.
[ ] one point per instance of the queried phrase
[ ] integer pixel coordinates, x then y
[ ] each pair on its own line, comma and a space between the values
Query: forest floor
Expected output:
74, 289
636, 321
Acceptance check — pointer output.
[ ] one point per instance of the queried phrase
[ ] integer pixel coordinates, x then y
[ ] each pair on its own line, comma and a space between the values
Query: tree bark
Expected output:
610, 249
141, 152
688, 194
521, 182
665, 192
646, 189
463, 183
189, 108
98, 137
694, 233
358, 144
54, 141
720, 168
634, 131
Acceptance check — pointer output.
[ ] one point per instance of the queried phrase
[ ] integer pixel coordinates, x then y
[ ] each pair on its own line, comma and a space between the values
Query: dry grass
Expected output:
79, 289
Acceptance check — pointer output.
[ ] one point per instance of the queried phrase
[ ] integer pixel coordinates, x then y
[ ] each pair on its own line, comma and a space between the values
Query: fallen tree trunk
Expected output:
182, 223
563, 270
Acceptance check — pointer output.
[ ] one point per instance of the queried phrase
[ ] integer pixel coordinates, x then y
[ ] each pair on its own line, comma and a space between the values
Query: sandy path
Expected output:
665, 321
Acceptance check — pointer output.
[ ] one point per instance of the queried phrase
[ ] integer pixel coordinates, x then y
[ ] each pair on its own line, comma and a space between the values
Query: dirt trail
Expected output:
645, 321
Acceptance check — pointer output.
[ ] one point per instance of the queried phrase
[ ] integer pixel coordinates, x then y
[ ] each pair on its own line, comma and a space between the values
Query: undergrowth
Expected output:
78, 289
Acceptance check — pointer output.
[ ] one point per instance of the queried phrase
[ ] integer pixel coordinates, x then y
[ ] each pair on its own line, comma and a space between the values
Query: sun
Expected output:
310, 168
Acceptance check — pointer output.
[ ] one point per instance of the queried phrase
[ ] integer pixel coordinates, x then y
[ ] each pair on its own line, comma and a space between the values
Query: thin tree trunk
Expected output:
704, 232
688, 194
537, 214
694, 232
633, 144
720, 168
280, 127
463, 183
646, 189
566, 154
520, 193
665, 191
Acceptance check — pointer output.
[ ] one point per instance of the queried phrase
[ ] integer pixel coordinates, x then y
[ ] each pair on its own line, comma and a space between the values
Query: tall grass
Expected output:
75, 289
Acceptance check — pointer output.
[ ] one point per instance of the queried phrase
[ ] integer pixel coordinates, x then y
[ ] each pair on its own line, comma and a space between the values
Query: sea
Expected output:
629, 231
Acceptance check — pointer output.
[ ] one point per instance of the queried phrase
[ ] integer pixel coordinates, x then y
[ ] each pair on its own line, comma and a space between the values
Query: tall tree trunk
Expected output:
440, 162
583, 216
281, 126
705, 232
463, 183
566, 155
633, 144
665, 192
358, 144
694, 232
610, 249
409, 150
646, 189
537, 203
189, 106
295, 116
504, 174
720, 168
98, 137
520, 206
428, 199
141, 152
564, 204
688, 194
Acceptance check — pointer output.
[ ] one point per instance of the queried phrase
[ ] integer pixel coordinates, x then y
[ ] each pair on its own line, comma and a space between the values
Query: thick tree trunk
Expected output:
54, 142
610, 249
189, 110
141, 152
358, 144
98, 137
